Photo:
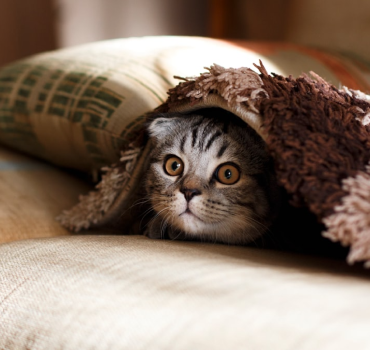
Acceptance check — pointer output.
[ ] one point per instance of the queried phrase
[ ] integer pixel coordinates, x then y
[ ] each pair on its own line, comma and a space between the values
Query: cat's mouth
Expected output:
189, 212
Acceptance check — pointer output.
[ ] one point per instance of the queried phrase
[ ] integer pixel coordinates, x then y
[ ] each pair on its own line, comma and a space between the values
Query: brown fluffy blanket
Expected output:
317, 135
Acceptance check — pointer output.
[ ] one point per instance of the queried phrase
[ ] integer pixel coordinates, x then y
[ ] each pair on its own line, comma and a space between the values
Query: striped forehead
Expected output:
203, 136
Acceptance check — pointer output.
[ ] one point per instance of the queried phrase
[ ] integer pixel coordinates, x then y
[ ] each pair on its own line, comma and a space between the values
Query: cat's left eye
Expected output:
173, 166
227, 174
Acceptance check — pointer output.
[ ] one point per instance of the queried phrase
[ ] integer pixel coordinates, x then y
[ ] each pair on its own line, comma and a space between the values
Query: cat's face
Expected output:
208, 180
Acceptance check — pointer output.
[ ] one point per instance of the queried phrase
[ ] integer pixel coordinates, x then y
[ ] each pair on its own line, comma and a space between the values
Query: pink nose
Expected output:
189, 193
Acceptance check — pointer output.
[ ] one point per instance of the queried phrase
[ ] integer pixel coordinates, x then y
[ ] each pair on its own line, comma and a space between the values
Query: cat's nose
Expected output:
189, 193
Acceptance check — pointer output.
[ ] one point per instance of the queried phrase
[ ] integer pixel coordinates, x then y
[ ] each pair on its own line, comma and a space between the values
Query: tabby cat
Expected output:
210, 178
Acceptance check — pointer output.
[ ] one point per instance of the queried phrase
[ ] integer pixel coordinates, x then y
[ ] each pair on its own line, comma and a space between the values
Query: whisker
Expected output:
144, 215
163, 227
260, 224
140, 201
158, 214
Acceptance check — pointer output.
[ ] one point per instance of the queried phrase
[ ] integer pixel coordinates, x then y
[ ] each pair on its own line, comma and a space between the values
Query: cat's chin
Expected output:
189, 216
189, 227
191, 223
194, 227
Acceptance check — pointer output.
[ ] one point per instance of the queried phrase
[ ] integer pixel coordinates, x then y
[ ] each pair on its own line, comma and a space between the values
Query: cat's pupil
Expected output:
228, 174
175, 165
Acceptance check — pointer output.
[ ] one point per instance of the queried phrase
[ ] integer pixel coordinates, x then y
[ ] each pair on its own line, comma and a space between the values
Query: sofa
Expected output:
104, 289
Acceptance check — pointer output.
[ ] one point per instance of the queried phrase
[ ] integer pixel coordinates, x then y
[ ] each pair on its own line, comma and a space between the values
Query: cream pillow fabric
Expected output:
130, 292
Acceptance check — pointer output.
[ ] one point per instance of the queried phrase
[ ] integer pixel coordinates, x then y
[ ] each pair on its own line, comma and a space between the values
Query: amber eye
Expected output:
173, 166
227, 174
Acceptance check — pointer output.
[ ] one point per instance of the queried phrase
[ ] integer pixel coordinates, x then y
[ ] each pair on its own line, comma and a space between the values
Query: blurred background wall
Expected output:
90, 20
26, 27
32, 26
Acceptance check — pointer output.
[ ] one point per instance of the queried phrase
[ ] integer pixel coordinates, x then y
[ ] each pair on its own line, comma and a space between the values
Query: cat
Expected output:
210, 178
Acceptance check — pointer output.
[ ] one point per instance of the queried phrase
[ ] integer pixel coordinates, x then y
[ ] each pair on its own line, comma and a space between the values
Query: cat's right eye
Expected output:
227, 174
173, 166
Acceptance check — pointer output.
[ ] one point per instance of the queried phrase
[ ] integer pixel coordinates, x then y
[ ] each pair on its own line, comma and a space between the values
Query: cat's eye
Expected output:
227, 174
173, 166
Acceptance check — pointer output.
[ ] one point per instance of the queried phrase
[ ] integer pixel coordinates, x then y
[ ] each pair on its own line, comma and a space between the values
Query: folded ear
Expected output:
161, 126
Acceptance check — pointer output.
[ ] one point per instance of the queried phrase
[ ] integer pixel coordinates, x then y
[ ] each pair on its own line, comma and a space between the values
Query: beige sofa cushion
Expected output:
129, 292
33, 193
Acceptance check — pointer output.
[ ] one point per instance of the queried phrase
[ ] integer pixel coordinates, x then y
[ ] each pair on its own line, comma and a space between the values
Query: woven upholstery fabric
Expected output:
130, 292
32, 194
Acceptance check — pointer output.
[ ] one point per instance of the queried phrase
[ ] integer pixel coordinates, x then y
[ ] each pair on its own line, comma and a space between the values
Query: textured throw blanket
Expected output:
317, 134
